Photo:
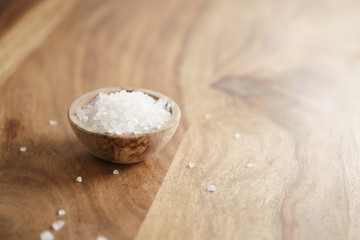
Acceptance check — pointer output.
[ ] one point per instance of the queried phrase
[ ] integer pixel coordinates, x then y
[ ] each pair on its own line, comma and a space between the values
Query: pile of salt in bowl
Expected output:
125, 112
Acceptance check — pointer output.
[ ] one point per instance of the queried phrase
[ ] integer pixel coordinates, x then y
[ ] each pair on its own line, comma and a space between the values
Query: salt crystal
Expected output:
116, 171
237, 135
125, 112
23, 149
101, 238
53, 122
57, 225
219, 123
211, 188
207, 116
61, 212
79, 179
192, 164
249, 165
46, 235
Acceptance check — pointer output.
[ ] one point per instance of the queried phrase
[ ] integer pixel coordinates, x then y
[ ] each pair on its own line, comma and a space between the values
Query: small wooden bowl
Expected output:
124, 148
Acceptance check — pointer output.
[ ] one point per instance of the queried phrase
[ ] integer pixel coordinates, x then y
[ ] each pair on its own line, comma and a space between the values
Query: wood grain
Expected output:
28, 31
82, 55
13, 10
283, 74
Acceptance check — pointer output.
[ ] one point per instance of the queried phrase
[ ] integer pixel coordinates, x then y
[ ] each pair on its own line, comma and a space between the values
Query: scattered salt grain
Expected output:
23, 149
46, 235
125, 112
53, 122
79, 179
116, 171
57, 225
192, 164
211, 188
249, 165
237, 135
219, 123
61, 212
101, 238
207, 116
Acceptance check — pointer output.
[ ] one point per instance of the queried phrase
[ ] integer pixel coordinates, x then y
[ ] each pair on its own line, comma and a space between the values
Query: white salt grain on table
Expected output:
116, 171
192, 164
207, 116
101, 238
53, 122
237, 135
125, 112
249, 165
61, 212
23, 149
57, 225
219, 123
211, 188
46, 235
79, 179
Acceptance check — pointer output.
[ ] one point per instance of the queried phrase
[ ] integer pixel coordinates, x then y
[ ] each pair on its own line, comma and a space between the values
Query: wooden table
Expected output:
285, 75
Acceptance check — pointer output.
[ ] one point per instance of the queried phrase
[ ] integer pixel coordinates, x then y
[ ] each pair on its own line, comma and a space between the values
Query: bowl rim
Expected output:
89, 96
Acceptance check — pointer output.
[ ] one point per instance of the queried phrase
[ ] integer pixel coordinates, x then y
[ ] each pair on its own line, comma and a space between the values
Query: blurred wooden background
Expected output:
283, 74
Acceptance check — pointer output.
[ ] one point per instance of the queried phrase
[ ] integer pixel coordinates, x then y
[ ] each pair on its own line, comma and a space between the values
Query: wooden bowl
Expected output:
124, 148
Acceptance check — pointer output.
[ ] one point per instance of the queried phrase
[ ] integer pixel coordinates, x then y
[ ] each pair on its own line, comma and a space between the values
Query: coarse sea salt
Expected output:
249, 165
211, 188
23, 149
237, 135
116, 171
125, 112
101, 238
207, 116
57, 225
192, 164
79, 179
46, 235
53, 122
61, 212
